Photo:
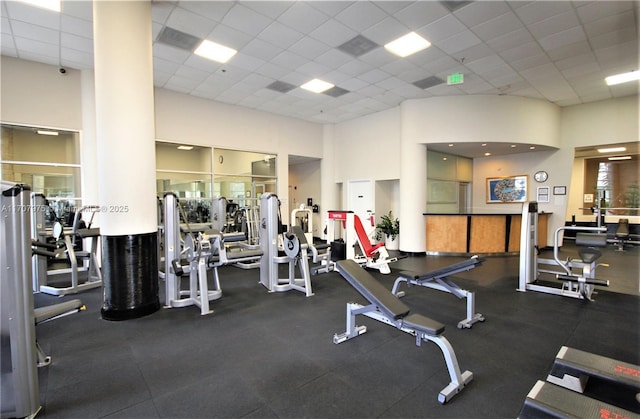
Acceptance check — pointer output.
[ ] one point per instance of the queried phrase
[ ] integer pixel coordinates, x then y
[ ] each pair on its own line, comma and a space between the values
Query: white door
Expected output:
360, 200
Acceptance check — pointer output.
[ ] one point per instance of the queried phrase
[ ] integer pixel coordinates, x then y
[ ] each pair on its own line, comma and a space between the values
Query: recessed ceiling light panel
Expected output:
612, 150
53, 5
622, 78
407, 45
317, 86
215, 52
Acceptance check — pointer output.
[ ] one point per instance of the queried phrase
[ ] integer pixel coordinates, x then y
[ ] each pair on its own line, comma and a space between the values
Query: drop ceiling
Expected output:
559, 51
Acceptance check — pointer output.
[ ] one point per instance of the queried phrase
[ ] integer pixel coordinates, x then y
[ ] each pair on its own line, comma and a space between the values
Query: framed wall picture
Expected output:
543, 194
559, 190
507, 189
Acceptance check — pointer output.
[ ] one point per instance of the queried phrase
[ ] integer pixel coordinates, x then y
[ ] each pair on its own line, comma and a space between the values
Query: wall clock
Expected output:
541, 176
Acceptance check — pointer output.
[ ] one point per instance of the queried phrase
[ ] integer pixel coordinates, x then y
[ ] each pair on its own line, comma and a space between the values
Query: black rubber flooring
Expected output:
272, 355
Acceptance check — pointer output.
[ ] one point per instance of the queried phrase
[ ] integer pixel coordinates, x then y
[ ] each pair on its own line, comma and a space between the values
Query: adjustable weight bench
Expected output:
438, 280
387, 308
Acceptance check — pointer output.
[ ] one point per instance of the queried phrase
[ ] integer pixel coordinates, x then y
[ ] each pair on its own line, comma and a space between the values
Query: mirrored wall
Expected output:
47, 160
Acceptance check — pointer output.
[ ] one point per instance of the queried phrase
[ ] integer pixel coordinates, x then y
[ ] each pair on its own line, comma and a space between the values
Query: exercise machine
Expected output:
576, 285
302, 220
294, 249
20, 354
387, 308
568, 391
373, 256
195, 256
84, 267
439, 280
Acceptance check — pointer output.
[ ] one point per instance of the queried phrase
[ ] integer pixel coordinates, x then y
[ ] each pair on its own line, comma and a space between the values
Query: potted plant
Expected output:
388, 229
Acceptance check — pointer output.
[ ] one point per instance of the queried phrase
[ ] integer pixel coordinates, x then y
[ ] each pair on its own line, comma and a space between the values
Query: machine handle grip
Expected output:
177, 268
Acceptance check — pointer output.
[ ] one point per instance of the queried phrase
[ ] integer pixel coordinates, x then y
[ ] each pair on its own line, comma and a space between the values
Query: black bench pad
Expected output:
447, 270
424, 324
372, 290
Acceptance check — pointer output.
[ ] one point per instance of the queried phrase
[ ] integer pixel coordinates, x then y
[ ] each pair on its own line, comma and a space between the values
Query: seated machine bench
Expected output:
387, 308
438, 280
573, 369
546, 400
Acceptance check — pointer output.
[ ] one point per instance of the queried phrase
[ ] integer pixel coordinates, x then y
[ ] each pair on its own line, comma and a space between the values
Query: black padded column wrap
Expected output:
130, 276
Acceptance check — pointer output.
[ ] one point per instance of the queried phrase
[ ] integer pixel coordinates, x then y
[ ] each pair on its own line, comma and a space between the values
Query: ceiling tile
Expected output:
333, 59
189, 22
510, 40
280, 35
355, 67
309, 47
246, 62
77, 43
37, 47
374, 76
386, 31
214, 10
81, 9
261, 49
74, 58
536, 11
361, 15
302, 17
330, 8
554, 24
570, 50
442, 28
170, 53
420, 13
34, 32
459, 42
560, 39
313, 69
77, 26
500, 25
595, 10
610, 24
522, 51
34, 15
477, 13
289, 60
245, 20
611, 38
229, 37
333, 33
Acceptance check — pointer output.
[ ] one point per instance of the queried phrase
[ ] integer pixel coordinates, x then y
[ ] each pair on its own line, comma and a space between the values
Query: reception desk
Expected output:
478, 233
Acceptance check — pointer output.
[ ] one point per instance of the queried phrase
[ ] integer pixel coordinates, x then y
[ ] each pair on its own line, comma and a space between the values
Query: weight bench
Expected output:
438, 280
573, 368
376, 255
546, 400
52, 312
387, 308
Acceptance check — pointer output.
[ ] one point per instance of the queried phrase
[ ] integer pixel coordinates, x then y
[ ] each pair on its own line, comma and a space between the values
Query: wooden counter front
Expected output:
478, 233
488, 234
447, 233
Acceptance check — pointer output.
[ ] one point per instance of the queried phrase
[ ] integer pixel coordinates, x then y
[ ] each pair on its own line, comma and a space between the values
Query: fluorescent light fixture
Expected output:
620, 158
622, 78
612, 150
487, 154
450, 145
185, 147
47, 132
44, 4
513, 146
407, 45
317, 86
532, 147
215, 52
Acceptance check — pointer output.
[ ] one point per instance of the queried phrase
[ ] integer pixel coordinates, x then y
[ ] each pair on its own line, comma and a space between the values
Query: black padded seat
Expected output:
244, 254
423, 324
622, 231
589, 255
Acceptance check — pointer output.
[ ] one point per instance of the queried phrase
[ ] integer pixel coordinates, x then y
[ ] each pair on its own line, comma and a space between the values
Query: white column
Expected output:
125, 134
413, 190
89, 145
125, 125
328, 189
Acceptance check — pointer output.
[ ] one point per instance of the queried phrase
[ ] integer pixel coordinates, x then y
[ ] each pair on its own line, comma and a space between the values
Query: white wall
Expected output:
38, 95
368, 147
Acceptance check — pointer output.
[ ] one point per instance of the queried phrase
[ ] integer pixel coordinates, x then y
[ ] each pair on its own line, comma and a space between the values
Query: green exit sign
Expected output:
456, 78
